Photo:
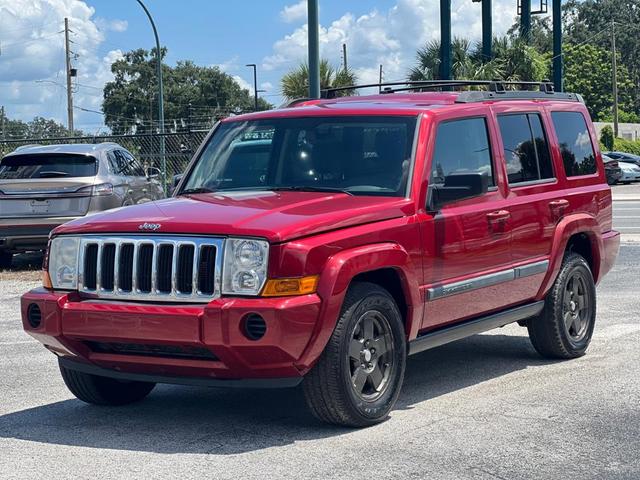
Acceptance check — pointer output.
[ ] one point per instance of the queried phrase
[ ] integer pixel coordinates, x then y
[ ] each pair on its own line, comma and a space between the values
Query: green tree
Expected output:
193, 95
606, 137
295, 84
587, 71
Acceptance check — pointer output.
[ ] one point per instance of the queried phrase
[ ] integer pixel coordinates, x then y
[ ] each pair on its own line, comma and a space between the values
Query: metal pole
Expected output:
445, 39
314, 49
487, 30
525, 20
344, 57
163, 158
69, 92
255, 84
614, 78
557, 45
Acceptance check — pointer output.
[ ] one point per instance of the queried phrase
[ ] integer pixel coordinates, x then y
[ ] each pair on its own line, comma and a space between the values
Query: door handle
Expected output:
498, 216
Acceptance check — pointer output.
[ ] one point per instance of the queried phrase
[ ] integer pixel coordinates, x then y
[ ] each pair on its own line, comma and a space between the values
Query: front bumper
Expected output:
167, 342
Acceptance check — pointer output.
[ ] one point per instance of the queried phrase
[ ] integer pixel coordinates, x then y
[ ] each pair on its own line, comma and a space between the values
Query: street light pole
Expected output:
314, 49
255, 84
163, 158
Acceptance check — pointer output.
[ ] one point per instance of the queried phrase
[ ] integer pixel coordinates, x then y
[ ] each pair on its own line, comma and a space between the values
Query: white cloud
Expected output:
295, 12
243, 83
32, 66
389, 37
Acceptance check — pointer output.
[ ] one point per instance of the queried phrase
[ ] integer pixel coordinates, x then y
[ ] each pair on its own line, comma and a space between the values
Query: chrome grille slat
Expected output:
179, 270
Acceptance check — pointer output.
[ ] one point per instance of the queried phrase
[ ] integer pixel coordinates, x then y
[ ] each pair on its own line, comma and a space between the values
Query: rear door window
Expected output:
134, 165
462, 146
526, 151
47, 166
574, 140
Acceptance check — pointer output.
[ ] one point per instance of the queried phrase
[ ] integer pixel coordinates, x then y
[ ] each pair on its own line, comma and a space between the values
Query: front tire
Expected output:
98, 390
565, 326
358, 377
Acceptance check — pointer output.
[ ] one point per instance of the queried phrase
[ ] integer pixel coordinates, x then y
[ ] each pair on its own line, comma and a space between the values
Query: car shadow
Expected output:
224, 421
26, 261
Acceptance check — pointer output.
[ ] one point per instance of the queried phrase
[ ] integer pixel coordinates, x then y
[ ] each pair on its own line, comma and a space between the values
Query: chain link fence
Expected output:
179, 147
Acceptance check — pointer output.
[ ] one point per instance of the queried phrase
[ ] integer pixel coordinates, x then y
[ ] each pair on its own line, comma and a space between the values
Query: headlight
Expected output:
63, 262
245, 266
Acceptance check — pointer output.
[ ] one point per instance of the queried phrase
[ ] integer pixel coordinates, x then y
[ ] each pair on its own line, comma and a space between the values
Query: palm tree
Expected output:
295, 84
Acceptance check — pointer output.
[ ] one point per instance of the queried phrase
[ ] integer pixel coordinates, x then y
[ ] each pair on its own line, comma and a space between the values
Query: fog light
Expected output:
34, 315
253, 326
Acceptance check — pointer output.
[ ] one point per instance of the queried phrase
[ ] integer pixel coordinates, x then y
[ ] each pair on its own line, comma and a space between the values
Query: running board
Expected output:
473, 327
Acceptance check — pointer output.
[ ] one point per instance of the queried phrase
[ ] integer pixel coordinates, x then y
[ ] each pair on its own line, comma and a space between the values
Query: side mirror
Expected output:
153, 173
175, 181
459, 186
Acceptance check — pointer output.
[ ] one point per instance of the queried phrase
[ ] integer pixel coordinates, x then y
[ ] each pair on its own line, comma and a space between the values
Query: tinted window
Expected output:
118, 163
461, 146
575, 143
526, 151
47, 166
134, 165
368, 155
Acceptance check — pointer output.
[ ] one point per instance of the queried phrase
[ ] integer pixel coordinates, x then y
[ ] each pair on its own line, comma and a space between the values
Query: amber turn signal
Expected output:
281, 287
46, 280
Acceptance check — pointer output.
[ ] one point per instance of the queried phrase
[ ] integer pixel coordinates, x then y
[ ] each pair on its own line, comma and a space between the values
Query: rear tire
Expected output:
565, 326
98, 390
6, 259
358, 377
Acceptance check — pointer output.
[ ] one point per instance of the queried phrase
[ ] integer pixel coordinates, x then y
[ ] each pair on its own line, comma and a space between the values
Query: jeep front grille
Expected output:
154, 268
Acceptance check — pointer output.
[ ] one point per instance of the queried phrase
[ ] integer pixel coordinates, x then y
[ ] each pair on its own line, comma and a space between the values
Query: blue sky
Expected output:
230, 34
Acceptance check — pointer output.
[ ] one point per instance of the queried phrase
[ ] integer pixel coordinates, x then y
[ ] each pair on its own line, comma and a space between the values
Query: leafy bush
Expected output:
606, 137
629, 146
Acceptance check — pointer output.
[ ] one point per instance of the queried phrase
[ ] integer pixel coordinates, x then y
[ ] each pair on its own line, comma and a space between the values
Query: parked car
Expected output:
611, 169
624, 157
356, 231
42, 187
630, 172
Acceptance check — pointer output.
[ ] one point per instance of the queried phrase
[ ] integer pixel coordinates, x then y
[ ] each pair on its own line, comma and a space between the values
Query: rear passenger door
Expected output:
534, 200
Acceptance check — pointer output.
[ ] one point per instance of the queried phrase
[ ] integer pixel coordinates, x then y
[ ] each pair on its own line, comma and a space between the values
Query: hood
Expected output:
277, 216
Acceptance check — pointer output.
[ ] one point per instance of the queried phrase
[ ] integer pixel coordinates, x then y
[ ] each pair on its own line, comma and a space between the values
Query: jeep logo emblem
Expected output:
149, 227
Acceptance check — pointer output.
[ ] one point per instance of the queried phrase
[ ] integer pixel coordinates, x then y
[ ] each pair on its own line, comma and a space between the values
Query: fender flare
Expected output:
565, 229
336, 277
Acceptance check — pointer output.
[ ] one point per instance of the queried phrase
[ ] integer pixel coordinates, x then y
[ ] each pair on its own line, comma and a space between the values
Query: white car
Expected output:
630, 172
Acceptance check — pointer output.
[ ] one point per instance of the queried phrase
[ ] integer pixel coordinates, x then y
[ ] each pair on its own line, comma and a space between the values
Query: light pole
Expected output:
314, 49
255, 84
163, 158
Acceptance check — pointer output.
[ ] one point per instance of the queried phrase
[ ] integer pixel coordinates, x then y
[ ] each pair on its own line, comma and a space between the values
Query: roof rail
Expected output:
495, 89
294, 102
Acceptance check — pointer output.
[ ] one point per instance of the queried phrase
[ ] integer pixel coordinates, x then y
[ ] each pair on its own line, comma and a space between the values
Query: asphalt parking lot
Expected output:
486, 407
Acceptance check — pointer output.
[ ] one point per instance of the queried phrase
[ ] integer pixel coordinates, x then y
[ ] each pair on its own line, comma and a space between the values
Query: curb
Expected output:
626, 198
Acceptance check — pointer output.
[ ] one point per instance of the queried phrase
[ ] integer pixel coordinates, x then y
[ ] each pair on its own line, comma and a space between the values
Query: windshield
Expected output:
360, 155
47, 166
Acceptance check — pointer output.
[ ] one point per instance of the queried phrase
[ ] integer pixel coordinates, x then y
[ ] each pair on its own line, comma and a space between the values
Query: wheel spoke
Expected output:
381, 345
355, 347
568, 321
571, 285
358, 379
581, 302
376, 377
367, 327
577, 325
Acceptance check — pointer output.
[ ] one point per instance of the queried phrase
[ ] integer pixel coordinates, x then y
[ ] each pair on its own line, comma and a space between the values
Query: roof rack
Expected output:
495, 89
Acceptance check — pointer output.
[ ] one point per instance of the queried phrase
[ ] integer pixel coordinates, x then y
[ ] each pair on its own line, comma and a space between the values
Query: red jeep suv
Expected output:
324, 242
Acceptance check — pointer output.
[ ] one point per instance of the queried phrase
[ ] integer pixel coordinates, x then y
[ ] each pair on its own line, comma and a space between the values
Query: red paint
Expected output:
338, 237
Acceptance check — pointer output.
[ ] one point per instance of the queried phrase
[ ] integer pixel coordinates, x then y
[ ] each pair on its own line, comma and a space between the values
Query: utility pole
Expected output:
525, 20
4, 134
344, 57
487, 30
255, 84
314, 48
69, 92
445, 40
557, 45
614, 78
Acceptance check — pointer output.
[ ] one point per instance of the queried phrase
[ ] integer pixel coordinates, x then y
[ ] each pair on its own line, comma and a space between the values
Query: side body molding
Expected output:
337, 274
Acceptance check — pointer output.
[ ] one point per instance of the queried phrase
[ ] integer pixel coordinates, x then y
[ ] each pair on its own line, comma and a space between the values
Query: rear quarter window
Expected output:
574, 141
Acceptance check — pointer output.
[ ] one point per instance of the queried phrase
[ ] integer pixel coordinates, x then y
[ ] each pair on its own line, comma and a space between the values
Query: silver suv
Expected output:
42, 187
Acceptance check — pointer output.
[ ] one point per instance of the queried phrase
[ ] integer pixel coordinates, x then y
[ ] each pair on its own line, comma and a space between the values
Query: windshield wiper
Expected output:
191, 191
51, 173
308, 188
